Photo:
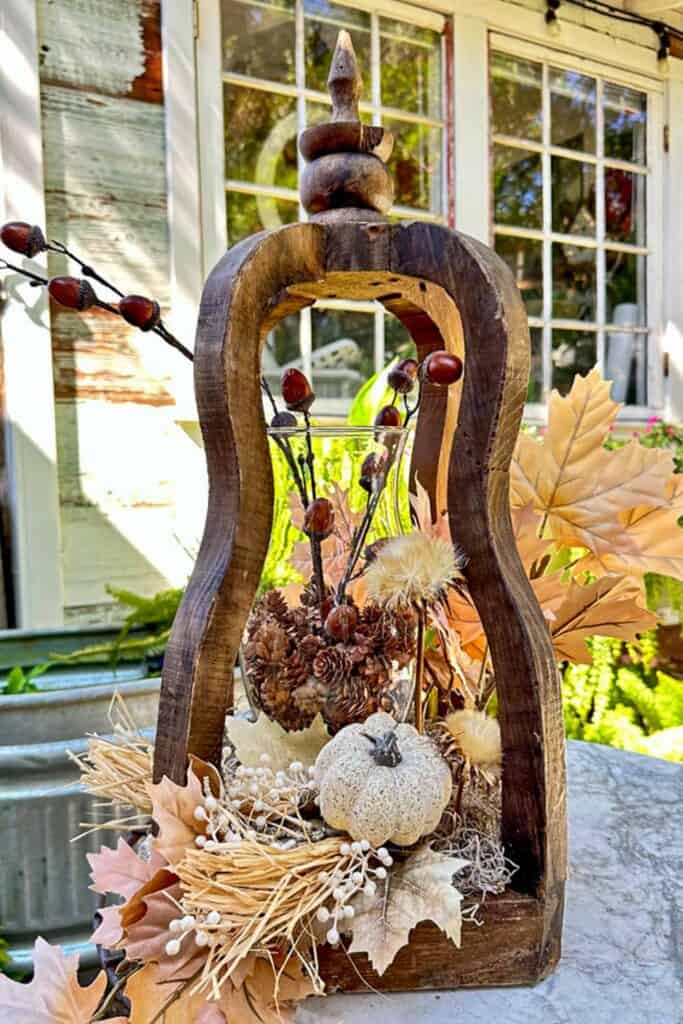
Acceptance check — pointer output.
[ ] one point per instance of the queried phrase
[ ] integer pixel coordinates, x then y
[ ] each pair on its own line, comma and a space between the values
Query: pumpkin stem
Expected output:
385, 749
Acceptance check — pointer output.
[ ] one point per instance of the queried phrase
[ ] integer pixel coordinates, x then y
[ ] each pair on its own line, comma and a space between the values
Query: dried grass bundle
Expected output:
119, 769
266, 897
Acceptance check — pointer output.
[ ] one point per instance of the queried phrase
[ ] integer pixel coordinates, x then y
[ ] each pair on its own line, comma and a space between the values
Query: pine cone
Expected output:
269, 644
348, 702
310, 646
375, 672
332, 665
310, 697
275, 604
277, 703
294, 671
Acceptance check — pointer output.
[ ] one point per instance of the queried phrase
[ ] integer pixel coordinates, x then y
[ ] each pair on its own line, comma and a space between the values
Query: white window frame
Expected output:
473, 23
31, 437
653, 250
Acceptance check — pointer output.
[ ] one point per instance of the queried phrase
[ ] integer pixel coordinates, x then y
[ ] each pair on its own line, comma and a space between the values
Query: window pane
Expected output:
625, 273
574, 282
282, 348
410, 68
397, 340
259, 39
247, 214
260, 137
625, 206
321, 27
626, 366
572, 110
517, 187
524, 256
535, 389
516, 97
625, 123
573, 352
416, 165
573, 197
343, 351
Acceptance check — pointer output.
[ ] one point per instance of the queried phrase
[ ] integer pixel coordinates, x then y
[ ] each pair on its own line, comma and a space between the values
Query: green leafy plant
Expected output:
624, 699
20, 681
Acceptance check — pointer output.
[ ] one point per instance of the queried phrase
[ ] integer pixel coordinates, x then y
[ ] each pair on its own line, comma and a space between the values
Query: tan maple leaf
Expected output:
120, 870
420, 890
657, 539
579, 486
170, 1002
526, 522
421, 508
266, 995
173, 810
146, 935
610, 606
53, 996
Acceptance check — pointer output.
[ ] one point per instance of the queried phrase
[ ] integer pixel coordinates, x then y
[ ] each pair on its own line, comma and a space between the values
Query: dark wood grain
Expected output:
450, 291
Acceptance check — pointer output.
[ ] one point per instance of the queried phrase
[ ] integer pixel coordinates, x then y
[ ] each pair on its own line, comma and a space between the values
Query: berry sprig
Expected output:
439, 369
357, 873
77, 293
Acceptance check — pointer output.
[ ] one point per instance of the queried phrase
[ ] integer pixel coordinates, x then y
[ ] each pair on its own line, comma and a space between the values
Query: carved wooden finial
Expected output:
345, 83
346, 169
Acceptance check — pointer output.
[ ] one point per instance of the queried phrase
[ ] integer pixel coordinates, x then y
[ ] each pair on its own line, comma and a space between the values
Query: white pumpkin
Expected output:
382, 782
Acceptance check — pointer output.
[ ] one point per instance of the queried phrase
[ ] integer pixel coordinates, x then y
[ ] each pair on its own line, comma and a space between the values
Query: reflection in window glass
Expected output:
532, 180
524, 256
572, 110
281, 349
322, 22
416, 164
535, 389
343, 351
516, 97
626, 366
397, 340
625, 114
573, 352
259, 39
625, 206
625, 274
411, 68
517, 187
574, 282
248, 214
260, 137
573, 197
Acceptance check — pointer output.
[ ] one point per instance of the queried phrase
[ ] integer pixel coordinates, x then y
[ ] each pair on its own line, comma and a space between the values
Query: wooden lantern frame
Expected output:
450, 292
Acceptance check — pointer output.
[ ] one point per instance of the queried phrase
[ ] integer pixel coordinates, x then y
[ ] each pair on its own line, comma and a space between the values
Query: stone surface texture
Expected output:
622, 957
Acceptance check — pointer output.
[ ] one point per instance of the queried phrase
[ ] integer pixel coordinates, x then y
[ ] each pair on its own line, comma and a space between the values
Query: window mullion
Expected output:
547, 243
601, 274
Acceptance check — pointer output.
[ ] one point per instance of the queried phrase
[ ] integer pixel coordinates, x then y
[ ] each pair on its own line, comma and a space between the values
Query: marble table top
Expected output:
622, 959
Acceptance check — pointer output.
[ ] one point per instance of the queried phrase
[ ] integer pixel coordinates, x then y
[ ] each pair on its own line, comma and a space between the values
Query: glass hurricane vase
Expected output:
315, 641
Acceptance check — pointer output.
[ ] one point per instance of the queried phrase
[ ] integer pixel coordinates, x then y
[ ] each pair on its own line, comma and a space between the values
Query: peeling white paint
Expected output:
95, 44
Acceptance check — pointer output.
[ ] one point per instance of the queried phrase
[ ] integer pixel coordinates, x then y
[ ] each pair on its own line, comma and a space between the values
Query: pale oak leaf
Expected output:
173, 808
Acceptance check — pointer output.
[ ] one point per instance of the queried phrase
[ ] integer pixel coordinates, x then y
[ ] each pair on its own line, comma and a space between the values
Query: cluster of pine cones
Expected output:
296, 669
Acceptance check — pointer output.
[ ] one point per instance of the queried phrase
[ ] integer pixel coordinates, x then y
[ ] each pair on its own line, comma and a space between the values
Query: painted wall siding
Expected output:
123, 461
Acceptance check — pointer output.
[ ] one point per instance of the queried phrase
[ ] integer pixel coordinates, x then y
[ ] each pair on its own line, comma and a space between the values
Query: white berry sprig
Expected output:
358, 873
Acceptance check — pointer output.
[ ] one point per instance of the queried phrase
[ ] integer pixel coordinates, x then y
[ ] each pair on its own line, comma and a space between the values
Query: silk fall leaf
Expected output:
173, 810
576, 483
421, 889
610, 606
53, 996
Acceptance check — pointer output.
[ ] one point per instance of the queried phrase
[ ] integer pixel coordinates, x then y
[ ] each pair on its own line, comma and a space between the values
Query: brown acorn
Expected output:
341, 623
26, 239
296, 390
319, 519
139, 311
72, 292
443, 368
388, 416
371, 471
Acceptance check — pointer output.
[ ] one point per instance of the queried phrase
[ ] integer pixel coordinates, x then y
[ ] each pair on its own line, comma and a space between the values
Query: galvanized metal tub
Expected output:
44, 879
